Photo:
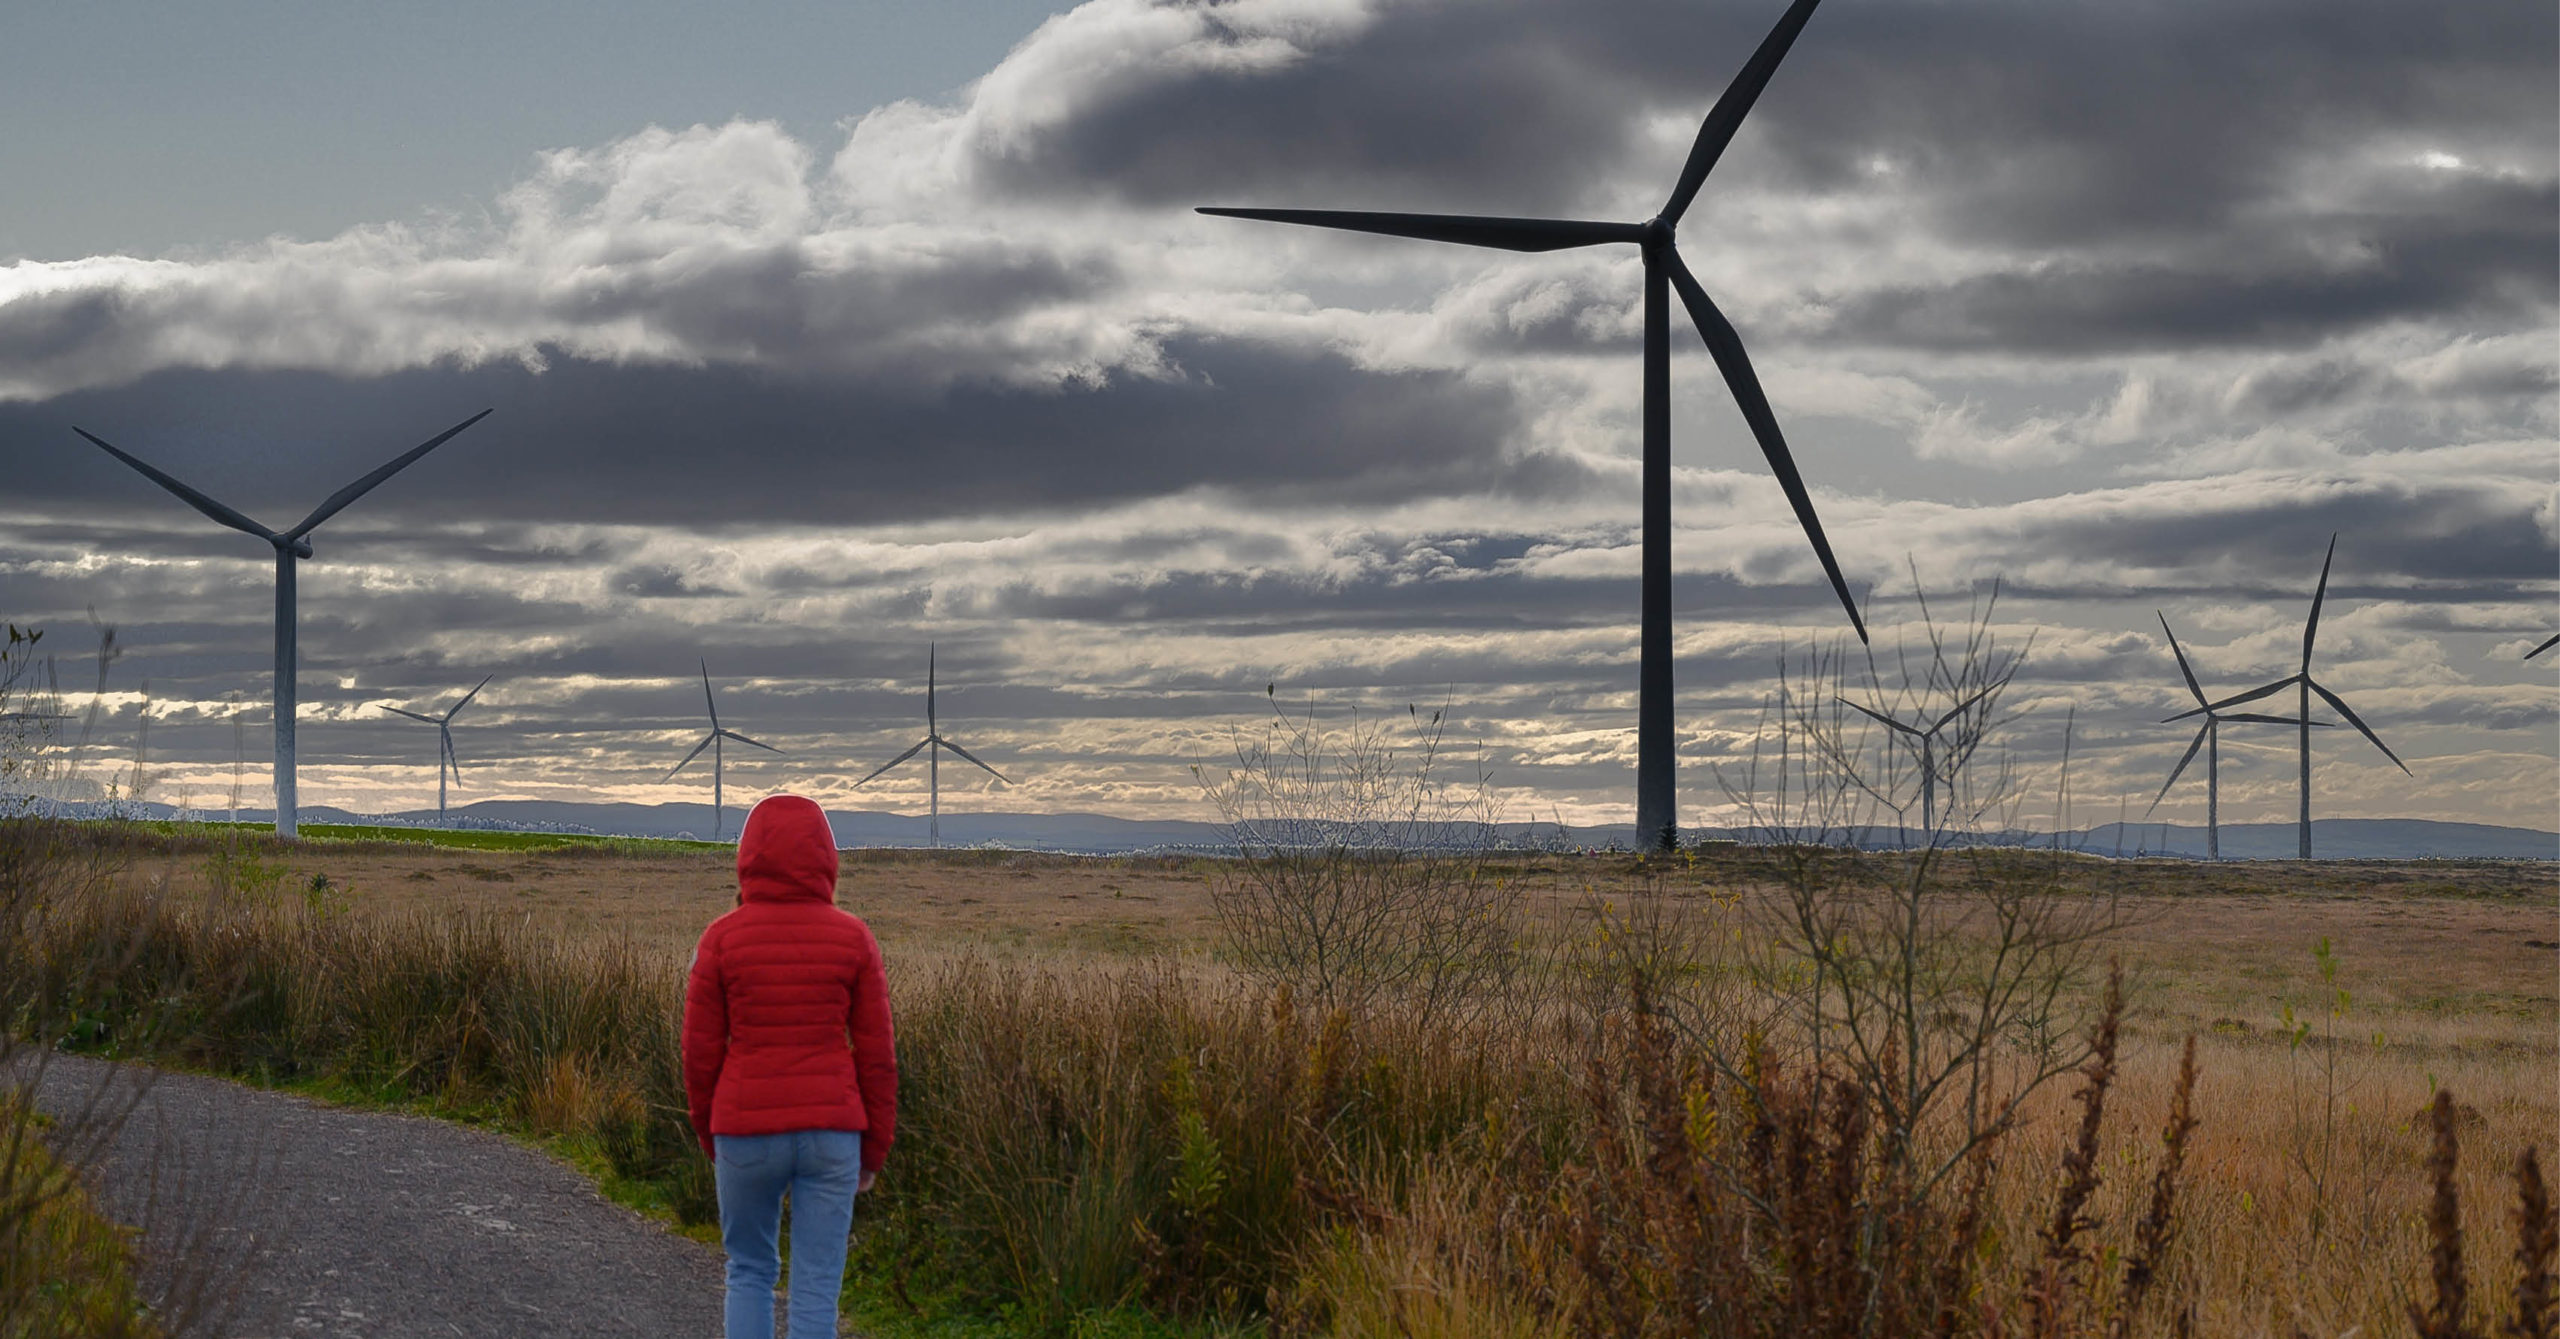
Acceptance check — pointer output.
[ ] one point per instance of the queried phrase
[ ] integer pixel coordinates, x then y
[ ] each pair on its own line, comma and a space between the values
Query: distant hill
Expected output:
2333, 839
1102, 834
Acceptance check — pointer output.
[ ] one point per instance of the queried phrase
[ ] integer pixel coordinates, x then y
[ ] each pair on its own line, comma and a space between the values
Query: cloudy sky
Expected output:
816, 333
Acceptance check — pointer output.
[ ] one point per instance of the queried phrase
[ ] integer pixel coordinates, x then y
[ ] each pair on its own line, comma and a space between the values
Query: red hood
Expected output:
787, 853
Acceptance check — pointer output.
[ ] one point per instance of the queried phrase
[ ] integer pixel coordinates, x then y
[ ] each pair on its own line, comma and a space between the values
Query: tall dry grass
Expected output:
1076, 1139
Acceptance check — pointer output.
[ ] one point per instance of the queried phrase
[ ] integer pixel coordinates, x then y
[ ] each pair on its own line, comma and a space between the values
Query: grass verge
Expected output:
64, 1268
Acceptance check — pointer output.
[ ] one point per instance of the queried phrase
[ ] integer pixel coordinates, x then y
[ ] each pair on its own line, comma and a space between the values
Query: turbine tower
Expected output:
2209, 738
933, 761
445, 760
1924, 741
2308, 686
1657, 813
291, 546
712, 742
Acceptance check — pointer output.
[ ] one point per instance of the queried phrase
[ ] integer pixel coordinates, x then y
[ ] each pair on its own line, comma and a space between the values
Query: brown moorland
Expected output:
2331, 1003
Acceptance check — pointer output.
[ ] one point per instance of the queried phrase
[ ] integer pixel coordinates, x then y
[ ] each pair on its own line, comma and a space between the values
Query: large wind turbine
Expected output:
445, 760
712, 742
933, 761
2209, 738
2308, 686
1925, 741
291, 546
1656, 787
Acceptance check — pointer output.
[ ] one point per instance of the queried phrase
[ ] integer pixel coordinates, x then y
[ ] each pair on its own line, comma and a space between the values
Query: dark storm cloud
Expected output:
2490, 255
2044, 124
723, 446
1430, 105
2046, 121
2157, 174
2454, 541
1240, 603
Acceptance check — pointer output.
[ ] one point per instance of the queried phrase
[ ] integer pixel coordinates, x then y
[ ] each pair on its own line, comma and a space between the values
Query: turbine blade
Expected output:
1726, 118
466, 698
928, 687
2311, 628
2555, 641
974, 758
2174, 649
1962, 707
190, 496
2263, 690
451, 759
1881, 717
338, 500
410, 714
697, 752
758, 743
919, 748
707, 703
1507, 234
2255, 719
2192, 750
1736, 366
2340, 704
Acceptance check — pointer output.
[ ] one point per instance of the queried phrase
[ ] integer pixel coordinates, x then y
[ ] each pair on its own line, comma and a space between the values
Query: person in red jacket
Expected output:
790, 1067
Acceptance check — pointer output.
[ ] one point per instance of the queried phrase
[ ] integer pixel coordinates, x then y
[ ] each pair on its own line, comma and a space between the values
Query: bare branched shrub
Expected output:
1363, 876
1948, 979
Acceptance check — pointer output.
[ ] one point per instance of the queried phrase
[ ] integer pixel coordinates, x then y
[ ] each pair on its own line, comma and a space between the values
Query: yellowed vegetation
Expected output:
2303, 1203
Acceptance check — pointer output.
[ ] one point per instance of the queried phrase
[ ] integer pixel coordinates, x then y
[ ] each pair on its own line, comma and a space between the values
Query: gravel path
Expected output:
310, 1220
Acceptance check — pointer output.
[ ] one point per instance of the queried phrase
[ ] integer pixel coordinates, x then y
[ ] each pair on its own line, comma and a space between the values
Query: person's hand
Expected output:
862, 1186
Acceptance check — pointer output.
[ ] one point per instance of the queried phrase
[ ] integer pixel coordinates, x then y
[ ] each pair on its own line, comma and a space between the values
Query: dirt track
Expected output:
323, 1221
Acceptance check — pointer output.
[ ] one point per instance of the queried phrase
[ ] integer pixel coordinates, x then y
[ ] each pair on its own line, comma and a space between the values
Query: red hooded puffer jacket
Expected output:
786, 1017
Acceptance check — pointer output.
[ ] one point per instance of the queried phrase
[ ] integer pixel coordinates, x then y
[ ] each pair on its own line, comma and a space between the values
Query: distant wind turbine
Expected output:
2308, 685
2209, 738
445, 759
933, 761
291, 546
712, 742
1656, 784
1924, 741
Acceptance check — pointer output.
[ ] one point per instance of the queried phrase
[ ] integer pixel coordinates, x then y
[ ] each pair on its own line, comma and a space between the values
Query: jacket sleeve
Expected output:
706, 1034
875, 1054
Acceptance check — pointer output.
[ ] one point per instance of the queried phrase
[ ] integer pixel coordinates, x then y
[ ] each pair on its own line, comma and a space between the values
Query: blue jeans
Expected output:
819, 1168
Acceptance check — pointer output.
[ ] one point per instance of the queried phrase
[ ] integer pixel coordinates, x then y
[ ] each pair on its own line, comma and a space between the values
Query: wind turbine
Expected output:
933, 761
712, 742
2209, 738
445, 761
1925, 741
2308, 686
1656, 787
291, 546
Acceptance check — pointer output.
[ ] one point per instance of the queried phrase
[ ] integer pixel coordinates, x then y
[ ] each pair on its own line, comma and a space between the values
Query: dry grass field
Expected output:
2329, 1004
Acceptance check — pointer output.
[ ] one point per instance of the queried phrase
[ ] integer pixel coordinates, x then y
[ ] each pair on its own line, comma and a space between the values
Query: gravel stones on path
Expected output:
291, 1218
